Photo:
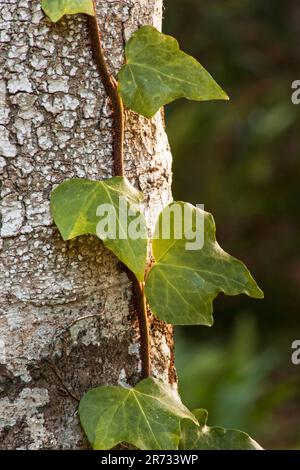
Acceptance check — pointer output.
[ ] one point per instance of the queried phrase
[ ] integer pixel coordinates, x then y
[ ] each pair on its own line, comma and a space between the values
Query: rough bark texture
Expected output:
55, 124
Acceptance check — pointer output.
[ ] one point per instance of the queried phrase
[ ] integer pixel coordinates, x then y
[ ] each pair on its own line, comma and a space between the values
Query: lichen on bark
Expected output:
67, 321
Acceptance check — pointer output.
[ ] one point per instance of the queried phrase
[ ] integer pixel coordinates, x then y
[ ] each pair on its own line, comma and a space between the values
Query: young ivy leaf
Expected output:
158, 72
147, 416
56, 9
187, 276
77, 205
202, 437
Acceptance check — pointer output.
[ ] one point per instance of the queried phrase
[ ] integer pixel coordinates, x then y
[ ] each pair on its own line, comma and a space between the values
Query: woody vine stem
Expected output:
111, 88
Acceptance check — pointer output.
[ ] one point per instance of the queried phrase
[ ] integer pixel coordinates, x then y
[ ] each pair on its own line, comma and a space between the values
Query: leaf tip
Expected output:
223, 95
255, 291
260, 294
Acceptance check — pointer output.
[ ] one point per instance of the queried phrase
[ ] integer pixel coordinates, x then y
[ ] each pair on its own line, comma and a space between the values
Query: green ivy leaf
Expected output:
182, 284
202, 437
56, 9
74, 206
147, 416
158, 72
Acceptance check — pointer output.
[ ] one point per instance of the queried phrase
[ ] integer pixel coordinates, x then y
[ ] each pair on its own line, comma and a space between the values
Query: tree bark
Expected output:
67, 317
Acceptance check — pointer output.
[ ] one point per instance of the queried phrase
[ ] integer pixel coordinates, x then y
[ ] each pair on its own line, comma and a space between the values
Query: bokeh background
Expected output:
242, 160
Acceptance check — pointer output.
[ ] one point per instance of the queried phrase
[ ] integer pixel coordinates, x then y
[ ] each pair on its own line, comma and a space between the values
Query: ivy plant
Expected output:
157, 72
74, 206
152, 416
182, 283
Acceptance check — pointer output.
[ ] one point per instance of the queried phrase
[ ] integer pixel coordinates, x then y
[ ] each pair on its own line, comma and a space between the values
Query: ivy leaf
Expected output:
147, 416
158, 72
202, 437
74, 205
182, 284
56, 9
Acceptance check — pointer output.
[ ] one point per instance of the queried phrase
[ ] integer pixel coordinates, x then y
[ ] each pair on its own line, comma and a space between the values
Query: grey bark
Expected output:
56, 124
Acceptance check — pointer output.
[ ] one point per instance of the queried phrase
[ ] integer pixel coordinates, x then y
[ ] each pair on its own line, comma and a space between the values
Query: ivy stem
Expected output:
111, 88
141, 308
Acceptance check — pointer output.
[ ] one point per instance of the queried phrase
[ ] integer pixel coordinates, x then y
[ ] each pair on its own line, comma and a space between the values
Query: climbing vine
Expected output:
183, 281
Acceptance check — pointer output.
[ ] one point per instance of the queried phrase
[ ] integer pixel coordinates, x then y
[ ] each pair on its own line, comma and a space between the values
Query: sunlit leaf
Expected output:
147, 416
74, 205
56, 9
202, 437
158, 72
182, 283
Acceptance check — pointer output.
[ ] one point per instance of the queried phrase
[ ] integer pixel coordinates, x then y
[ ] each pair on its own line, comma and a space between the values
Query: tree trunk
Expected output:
67, 320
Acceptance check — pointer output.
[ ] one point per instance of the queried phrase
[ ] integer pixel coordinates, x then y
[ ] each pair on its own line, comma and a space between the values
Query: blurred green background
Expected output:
242, 160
